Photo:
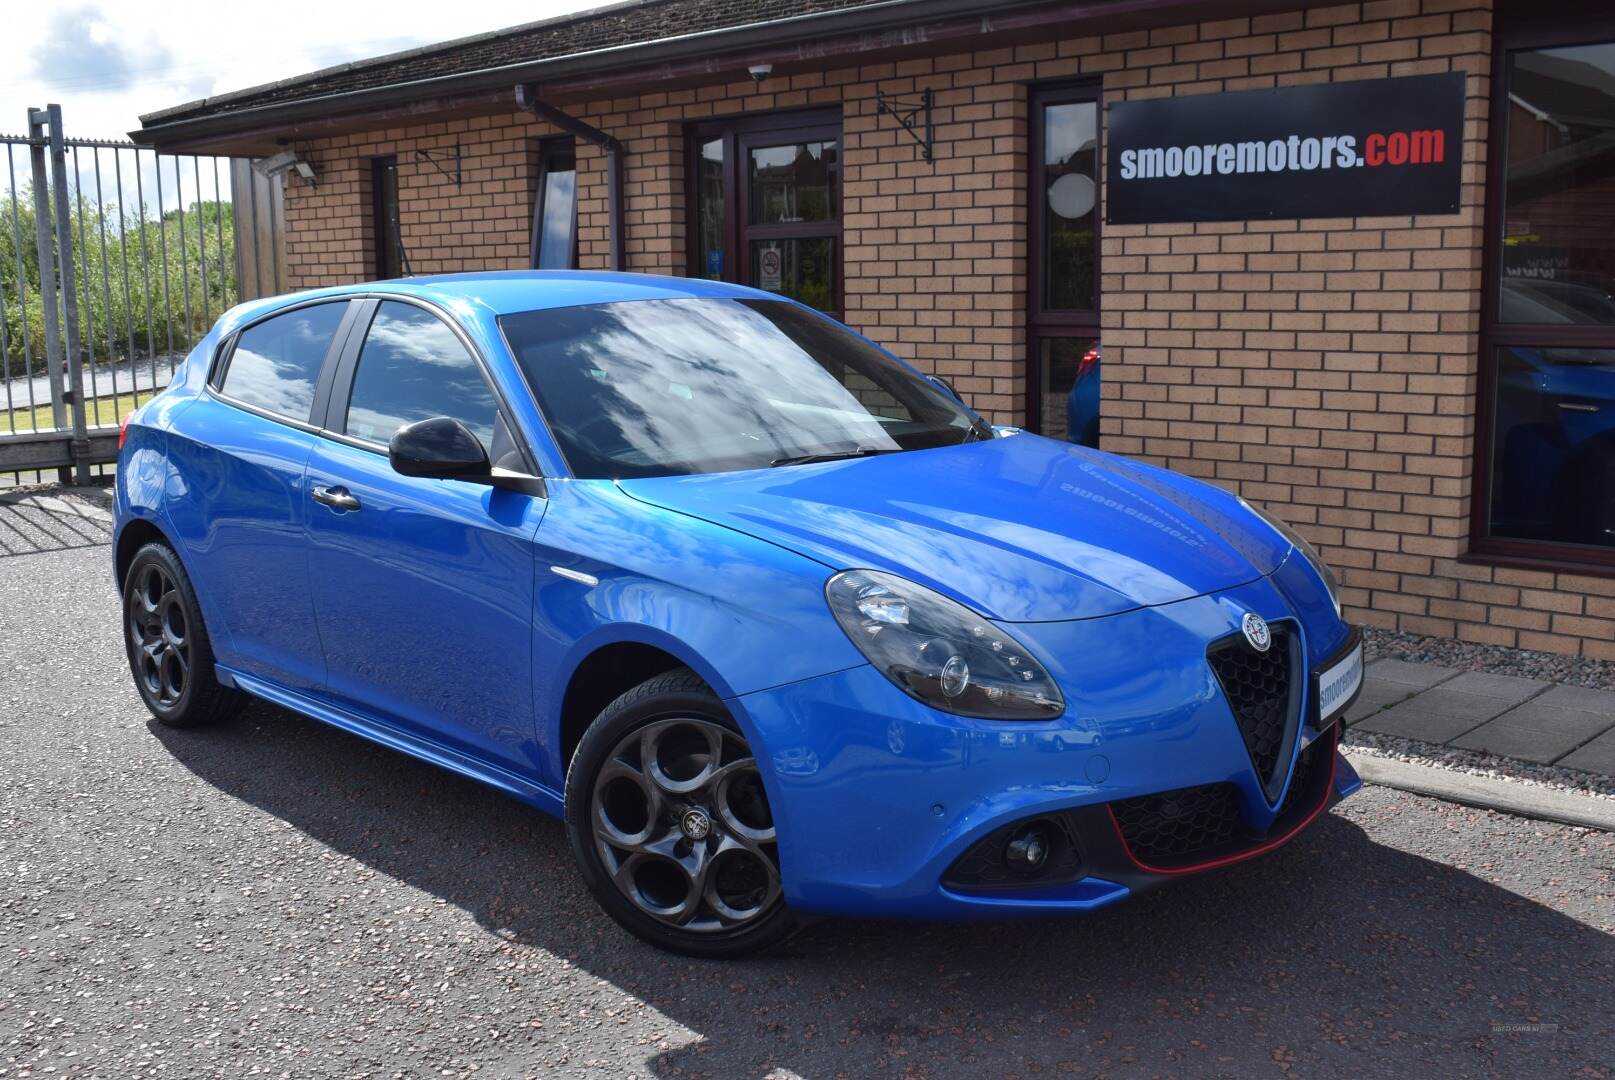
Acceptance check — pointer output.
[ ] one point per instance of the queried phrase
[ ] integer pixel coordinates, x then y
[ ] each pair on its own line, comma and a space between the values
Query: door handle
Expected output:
337, 498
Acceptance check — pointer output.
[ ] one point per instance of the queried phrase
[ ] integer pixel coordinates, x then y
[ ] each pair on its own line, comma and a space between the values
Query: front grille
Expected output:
1196, 825
1174, 826
1262, 692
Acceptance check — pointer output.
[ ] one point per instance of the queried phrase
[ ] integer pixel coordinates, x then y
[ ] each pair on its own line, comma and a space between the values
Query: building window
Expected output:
1546, 478
555, 214
1063, 276
766, 193
389, 240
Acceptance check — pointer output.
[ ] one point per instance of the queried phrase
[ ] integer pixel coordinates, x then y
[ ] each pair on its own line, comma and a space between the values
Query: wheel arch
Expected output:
136, 534
608, 665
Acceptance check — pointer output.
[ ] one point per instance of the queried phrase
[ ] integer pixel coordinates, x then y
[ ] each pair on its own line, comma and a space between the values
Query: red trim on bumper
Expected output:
1249, 853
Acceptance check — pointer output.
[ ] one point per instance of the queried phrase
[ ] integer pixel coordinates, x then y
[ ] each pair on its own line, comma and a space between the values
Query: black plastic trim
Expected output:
1353, 639
980, 868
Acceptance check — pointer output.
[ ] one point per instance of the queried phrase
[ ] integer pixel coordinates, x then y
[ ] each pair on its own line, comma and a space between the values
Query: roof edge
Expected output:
874, 16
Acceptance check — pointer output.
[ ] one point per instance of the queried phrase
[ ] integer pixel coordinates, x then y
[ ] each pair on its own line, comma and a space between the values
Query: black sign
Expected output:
1347, 149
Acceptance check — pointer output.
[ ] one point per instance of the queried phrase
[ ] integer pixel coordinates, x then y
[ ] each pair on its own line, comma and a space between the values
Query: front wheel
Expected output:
670, 825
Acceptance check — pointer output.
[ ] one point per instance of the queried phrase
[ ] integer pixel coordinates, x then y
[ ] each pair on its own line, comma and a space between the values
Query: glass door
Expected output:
1063, 370
767, 198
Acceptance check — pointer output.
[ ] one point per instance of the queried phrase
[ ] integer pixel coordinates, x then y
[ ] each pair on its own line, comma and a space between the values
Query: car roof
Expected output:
502, 292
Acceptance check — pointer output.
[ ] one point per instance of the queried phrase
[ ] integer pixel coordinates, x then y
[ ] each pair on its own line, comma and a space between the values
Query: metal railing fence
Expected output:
114, 261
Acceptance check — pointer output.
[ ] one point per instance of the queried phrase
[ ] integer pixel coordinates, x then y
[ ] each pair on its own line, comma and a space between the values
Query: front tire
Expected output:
170, 655
670, 825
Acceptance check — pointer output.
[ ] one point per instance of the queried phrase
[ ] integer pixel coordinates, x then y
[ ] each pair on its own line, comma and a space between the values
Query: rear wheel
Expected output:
670, 825
170, 655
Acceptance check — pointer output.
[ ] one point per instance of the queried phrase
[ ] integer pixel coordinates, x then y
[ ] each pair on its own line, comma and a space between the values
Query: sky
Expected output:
107, 61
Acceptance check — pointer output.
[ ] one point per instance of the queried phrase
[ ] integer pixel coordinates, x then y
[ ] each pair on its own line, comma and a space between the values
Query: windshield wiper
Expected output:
828, 455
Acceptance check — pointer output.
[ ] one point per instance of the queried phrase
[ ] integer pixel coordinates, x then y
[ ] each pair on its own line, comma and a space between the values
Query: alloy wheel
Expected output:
682, 824
158, 635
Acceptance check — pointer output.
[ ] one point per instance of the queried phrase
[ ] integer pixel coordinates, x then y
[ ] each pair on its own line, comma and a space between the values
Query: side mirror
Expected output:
441, 449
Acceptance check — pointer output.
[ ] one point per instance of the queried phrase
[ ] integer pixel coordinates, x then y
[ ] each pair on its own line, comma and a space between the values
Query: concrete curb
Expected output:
1526, 800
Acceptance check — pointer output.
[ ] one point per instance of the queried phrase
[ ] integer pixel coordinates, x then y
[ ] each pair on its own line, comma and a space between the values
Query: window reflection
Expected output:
1558, 264
276, 363
1070, 144
801, 269
1553, 439
793, 183
711, 210
412, 368
557, 207
658, 387
1070, 390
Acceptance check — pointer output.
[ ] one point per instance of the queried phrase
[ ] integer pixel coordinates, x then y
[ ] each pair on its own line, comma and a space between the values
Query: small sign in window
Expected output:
768, 269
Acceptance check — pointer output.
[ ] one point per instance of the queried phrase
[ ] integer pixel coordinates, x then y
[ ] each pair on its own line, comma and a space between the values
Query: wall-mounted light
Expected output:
286, 160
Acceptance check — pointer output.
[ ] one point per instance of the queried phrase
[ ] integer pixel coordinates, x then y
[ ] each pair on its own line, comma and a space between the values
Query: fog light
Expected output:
1027, 851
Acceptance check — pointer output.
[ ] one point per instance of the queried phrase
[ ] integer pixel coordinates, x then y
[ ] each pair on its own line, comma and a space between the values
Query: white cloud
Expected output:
107, 61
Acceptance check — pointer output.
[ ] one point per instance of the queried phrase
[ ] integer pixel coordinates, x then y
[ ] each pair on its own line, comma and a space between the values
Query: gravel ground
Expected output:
1497, 659
276, 898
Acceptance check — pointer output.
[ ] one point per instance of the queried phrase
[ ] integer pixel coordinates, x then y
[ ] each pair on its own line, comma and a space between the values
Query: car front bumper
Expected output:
877, 797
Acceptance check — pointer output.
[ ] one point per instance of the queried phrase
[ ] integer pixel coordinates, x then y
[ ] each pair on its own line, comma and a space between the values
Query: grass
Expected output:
106, 411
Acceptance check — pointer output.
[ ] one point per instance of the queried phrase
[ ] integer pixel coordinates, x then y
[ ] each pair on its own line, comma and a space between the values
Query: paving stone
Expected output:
1597, 756
1444, 702
1534, 732
1599, 702
1412, 719
1413, 676
1375, 696
1510, 689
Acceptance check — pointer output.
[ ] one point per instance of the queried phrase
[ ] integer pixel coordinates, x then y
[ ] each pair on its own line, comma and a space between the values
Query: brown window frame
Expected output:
739, 135
1041, 322
1545, 26
389, 241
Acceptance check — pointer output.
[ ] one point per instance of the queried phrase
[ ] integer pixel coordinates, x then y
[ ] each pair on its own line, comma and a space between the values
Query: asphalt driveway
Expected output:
273, 897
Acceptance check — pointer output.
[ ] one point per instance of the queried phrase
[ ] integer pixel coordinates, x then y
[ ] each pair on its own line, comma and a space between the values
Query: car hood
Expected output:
1021, 529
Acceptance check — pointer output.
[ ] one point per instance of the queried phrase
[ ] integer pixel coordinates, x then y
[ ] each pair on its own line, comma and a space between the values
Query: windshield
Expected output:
667, 387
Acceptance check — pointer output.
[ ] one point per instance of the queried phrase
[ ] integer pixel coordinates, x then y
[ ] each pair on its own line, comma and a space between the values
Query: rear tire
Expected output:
670, 826
170, 655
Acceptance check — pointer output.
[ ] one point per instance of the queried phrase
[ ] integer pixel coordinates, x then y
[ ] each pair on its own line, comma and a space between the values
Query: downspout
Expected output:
527, 98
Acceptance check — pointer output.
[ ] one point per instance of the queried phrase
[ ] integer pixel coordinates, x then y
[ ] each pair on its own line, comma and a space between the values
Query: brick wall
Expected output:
1326, 368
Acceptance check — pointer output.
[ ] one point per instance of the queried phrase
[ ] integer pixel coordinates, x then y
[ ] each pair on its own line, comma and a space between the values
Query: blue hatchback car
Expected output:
776, 623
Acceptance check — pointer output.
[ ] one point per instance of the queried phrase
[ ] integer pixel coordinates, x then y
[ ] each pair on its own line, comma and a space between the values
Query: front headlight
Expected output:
1309, 552
940, 652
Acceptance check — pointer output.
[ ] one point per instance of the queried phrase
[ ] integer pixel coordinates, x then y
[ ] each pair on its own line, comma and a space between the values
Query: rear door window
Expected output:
413, 367
276, 363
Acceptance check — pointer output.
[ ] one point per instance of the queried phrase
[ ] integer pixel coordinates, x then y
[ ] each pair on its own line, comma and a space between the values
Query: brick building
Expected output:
1429, 396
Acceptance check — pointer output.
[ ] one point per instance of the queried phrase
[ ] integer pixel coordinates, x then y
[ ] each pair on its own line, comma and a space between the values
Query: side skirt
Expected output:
519, 787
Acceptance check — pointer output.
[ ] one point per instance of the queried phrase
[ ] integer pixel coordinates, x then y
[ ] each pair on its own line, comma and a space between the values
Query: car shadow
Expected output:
1338, 955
